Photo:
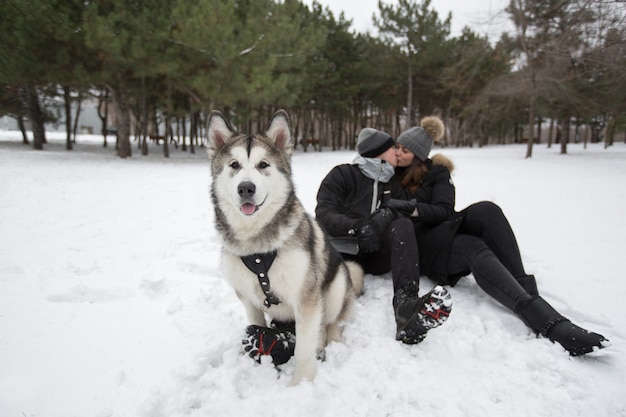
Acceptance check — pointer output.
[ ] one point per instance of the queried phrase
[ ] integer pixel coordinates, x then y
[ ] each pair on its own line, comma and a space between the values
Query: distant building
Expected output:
88, 120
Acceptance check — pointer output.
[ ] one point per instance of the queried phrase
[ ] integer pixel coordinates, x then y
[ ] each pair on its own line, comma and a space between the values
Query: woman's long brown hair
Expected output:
413, 175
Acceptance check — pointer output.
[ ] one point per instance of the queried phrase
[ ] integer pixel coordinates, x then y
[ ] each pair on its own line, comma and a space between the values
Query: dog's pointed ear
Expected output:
279, 131
219, 131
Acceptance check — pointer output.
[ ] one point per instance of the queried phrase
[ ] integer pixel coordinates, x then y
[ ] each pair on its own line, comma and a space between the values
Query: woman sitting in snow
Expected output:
477, 240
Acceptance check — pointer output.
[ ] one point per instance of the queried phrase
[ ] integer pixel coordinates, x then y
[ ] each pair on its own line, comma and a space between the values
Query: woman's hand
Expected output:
407, 207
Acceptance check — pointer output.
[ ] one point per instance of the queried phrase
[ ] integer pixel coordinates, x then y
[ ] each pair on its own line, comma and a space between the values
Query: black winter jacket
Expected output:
345, 197
437, 223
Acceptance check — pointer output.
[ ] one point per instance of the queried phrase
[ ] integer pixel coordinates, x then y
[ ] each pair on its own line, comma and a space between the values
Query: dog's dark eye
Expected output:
263, 165
235, 165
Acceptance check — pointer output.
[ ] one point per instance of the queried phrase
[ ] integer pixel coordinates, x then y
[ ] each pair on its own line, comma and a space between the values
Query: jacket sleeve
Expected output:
330, 209
441, 205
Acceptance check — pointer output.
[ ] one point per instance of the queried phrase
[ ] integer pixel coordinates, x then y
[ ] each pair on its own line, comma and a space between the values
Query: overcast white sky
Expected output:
485, 17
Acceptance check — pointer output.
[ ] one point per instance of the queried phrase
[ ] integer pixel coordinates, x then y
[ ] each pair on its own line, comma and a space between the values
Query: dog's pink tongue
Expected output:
248, 208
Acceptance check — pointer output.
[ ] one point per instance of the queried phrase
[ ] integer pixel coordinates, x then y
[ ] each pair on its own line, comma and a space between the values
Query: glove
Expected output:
380, 220
408, 207
367, 238
369, 232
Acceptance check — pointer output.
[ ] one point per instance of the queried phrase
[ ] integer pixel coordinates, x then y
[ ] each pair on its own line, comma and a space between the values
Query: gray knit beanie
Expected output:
372, 142
417, 141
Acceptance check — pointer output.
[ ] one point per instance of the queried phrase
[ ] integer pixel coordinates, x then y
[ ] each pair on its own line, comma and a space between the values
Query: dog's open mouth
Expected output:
248, 208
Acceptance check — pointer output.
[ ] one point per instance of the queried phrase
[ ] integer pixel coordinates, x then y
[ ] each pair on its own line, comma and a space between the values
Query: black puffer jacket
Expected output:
345, 197
437, 223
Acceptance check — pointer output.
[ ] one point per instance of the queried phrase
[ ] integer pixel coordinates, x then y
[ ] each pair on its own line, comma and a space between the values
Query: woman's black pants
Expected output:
485, 245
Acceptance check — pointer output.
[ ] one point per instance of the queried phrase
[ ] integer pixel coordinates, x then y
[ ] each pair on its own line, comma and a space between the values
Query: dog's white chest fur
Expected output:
286, 277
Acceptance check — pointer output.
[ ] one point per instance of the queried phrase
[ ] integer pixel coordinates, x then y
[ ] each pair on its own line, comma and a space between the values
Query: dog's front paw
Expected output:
303, 372
264, 341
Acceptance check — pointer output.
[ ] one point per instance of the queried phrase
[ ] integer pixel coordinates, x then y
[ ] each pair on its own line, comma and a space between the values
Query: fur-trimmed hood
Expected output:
439, 159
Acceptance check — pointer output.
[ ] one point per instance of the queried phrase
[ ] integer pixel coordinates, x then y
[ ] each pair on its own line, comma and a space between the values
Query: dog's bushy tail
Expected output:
356, 276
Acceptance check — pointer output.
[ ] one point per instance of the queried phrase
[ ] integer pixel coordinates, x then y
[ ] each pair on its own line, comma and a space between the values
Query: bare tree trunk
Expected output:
123, 123
79, 105
531, 115
35, 115
167, 136
307, 128
351, 142
67, 100
409, 98
193, 131
20, 123
143, 122
565, 134
184, 133
168, 126
103, 114
610, 132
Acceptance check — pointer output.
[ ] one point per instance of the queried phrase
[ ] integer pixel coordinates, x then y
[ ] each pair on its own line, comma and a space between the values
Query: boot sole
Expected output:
434, 313
583, 350
261, 341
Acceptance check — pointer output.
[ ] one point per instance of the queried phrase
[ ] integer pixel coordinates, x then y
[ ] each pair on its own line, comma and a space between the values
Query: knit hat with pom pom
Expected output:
419, 139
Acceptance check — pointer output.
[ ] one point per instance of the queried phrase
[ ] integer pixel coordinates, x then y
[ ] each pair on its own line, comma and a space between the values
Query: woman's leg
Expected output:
487, 221
540, 316
470, 253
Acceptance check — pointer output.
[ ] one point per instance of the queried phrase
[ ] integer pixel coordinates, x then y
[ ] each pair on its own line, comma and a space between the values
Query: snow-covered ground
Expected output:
112, 301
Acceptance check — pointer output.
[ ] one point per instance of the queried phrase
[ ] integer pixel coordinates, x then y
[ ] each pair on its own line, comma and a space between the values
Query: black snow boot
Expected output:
545, 320
416, 315
278, 343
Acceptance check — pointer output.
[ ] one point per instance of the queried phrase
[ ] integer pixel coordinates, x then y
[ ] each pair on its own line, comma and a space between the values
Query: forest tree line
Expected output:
169, 62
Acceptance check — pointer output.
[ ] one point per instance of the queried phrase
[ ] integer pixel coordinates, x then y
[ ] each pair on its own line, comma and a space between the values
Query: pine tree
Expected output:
423, 36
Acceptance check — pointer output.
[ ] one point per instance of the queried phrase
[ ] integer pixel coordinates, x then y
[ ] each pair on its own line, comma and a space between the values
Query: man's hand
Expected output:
370, 231
367, 238
380, 220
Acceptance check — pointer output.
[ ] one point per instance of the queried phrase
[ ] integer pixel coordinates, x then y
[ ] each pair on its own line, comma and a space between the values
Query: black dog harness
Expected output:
260, 263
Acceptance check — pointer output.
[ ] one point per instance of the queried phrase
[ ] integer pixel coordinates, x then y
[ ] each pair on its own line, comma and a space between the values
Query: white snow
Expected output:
112, 302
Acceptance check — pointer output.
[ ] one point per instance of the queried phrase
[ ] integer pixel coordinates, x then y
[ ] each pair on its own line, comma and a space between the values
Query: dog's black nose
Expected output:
246, 189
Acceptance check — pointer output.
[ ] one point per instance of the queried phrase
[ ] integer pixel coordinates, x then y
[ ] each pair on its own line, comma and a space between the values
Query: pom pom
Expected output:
433, 126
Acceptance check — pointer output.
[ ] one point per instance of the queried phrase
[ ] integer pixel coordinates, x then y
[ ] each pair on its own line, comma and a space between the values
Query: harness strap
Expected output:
259, 264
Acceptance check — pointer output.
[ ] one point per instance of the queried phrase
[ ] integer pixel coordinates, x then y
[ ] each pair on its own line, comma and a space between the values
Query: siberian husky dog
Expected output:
275, 255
